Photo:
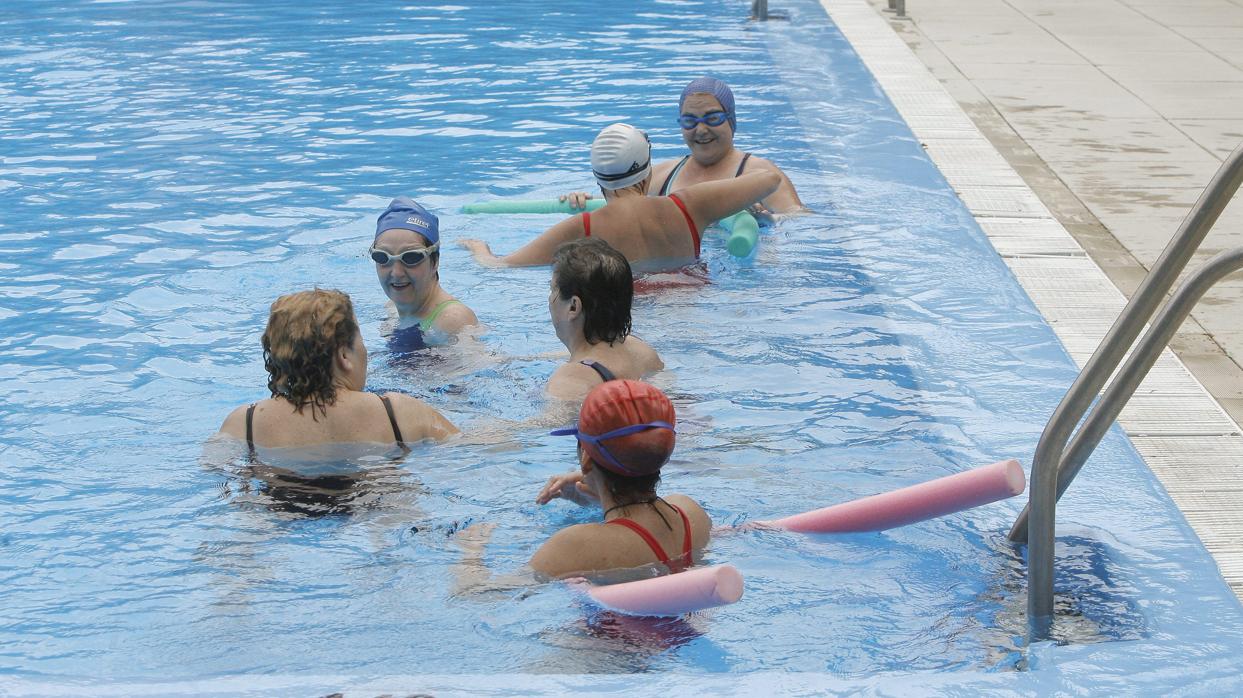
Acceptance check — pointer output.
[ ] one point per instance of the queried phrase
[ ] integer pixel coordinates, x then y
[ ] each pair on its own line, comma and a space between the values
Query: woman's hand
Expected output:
481, 252
568, 486
763, 216
577, 199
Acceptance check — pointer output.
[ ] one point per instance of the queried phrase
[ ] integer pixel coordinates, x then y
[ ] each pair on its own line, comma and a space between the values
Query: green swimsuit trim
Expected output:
426, 323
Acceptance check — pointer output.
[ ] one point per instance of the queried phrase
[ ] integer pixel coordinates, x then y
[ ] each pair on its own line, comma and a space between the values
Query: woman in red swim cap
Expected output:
626, 432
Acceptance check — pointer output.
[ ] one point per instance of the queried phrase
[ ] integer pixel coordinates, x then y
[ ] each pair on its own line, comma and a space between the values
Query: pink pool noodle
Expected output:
987, 483
671, 595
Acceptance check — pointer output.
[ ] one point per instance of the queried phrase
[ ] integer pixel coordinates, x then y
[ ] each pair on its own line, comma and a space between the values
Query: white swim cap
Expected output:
621, 155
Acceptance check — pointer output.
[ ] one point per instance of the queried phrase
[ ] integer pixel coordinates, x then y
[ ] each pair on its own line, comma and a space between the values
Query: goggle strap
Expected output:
635, 169
624, 431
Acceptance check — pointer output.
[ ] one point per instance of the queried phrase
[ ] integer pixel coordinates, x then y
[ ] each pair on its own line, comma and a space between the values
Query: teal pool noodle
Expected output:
744, 231
529, 206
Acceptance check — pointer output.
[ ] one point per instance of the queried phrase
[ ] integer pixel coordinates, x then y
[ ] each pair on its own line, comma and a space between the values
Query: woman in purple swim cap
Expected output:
708, 121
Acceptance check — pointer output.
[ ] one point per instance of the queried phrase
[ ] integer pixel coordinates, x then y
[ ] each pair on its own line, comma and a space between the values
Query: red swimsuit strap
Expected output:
586, 224
684, 559
686, 538
690, 222
645, 535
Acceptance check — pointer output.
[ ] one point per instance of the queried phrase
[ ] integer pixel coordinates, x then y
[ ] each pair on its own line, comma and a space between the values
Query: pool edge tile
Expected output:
1196, 415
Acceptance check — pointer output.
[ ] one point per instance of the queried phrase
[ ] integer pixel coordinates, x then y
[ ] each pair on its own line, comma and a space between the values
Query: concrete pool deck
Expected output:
1079, 135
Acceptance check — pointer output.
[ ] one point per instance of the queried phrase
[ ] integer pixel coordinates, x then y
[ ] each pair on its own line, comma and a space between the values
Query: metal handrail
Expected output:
1036, 523
1142, 358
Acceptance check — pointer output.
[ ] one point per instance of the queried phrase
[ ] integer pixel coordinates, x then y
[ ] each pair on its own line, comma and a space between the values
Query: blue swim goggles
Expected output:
613, 464
712, 118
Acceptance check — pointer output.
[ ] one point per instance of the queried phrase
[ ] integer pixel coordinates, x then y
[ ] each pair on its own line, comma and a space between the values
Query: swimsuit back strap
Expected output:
392, 420
605, 374
664, 188
427, 322
742, 165
250, 429
690, 222
586, 224
645, 535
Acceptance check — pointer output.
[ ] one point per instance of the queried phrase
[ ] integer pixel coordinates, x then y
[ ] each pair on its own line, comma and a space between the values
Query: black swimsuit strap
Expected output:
651, 502
250, 429
742, 165
664, 188
605, 374
392, 419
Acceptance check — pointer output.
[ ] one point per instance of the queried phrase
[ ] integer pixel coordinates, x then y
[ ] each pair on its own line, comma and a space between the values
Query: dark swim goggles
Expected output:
613, 464
411, 258
712, 118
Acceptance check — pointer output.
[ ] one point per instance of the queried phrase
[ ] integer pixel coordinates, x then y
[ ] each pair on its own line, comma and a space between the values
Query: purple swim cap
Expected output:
405, 213
716, 88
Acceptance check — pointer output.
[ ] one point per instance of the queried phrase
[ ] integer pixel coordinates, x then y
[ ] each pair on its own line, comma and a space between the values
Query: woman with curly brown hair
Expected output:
317, 368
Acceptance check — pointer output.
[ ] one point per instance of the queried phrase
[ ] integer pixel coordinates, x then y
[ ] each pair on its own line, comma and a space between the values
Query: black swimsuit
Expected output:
664, 188
605, 374
388, 407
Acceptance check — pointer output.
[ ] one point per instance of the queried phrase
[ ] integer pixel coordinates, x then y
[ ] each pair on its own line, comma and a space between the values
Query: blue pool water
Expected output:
168, 169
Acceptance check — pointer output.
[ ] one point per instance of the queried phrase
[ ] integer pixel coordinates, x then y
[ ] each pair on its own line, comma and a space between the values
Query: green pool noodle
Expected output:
529, 206
744, 231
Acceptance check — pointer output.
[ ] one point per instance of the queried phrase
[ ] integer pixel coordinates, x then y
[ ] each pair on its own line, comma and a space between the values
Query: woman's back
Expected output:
599, 547
353, 417
628, 358
647, 228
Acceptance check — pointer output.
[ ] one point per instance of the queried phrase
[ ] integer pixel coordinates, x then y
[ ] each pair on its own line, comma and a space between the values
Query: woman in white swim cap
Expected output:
654, 233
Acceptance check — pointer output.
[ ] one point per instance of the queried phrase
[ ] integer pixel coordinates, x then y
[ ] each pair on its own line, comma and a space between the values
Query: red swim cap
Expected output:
617, 404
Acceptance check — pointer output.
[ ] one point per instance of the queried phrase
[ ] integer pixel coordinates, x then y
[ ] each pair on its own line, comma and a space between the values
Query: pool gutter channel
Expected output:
1186, 438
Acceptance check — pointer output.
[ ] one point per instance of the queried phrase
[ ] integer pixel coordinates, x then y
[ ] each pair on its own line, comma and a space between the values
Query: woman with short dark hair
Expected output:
589, 302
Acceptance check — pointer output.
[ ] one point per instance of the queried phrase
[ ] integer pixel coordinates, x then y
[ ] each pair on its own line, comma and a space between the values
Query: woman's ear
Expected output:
576, 305
343, 357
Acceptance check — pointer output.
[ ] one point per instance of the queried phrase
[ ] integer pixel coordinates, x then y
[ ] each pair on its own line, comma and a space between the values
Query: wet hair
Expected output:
628, 490
600, 276
304, 332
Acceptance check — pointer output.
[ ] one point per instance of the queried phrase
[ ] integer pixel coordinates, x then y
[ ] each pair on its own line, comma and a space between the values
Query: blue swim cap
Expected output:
403, 212
716, 88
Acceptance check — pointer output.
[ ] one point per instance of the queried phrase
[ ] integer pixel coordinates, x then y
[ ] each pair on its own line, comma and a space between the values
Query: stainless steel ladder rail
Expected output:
1051, 460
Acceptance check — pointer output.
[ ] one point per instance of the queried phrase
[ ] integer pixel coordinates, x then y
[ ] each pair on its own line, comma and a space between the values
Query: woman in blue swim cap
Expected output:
708, 121
406, 253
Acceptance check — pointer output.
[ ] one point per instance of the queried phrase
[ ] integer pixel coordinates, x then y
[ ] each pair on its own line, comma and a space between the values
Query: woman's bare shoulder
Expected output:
419, 420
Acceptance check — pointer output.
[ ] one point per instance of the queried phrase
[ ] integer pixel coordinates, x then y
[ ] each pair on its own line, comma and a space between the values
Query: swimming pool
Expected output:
166, 174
